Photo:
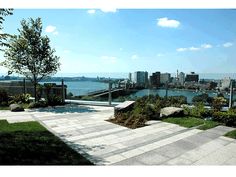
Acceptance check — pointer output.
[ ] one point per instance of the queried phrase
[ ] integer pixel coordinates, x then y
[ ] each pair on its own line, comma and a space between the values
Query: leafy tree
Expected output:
30, 54
3, 36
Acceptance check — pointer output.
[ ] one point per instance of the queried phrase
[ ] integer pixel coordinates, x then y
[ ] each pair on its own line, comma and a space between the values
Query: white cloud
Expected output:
109, 59
109, 9
160, 55
91, 11
203, 46
228, 44
181, 49
194, 48
51, 29
206, 46
165, 22
134, 57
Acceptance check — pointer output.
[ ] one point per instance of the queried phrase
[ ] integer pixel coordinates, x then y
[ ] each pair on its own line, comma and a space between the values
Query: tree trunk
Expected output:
35, 92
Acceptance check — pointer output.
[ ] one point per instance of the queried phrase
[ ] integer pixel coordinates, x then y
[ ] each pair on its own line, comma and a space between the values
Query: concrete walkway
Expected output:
104, 143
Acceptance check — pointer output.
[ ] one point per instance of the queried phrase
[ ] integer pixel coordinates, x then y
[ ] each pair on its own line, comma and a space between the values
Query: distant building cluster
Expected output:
158, 79
141, 79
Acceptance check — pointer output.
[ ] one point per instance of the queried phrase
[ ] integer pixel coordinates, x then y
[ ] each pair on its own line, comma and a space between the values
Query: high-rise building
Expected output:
181, 78
141, 78
225, 83
155, 79
164, 78
130, 77
192, 77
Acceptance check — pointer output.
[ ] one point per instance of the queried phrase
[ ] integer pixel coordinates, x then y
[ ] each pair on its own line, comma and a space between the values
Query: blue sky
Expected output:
126, 40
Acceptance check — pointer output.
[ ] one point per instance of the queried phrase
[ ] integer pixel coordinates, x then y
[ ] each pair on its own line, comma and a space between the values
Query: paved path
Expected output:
105, 143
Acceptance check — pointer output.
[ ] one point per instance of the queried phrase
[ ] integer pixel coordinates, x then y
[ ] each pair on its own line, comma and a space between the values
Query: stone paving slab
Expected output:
105, 143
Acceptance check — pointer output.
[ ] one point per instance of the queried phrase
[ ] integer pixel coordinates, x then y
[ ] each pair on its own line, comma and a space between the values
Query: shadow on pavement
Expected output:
66, 109
81, 149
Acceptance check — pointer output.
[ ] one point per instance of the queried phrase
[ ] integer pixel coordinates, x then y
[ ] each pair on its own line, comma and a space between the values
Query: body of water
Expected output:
78, 88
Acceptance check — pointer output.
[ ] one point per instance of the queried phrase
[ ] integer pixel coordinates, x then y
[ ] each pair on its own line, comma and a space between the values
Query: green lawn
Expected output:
208, 124
31, 144
231, 134
191, 122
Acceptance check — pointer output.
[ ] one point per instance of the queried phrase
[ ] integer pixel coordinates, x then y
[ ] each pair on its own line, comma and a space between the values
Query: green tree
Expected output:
30, 54
4, 36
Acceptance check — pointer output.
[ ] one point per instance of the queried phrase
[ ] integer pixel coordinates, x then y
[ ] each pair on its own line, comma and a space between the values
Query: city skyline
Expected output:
129, 40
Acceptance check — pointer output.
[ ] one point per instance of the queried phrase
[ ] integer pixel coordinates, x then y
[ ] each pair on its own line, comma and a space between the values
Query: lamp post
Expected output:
166, 90
109, 96
231, 94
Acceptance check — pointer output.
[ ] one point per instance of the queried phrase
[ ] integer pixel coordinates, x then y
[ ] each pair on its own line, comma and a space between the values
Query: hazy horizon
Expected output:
125, 75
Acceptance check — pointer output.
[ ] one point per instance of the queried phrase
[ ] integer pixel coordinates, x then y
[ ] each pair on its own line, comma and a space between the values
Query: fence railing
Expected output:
21, 87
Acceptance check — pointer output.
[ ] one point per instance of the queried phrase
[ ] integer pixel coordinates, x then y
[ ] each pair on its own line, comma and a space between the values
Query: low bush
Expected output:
53, 100
69, 95
203, 98
147, 108
20, 98
198, 111
228, 118
130, 120
176, 101
218, 103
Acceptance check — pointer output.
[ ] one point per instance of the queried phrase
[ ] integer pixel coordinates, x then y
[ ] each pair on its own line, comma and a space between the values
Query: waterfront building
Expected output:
164, 77
192, 77
155, 79
141, 78
181, 78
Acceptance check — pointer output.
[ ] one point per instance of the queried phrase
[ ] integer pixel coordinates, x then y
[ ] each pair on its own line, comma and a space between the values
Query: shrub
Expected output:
228, 118
218, 103
3, 97
53, 100
203, 98
130, 120
176, 101
69, 95
148, 106
21, 98
198, 111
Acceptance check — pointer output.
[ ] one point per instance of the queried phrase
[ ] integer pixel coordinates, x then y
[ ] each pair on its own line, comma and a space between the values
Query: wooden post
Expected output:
63, 91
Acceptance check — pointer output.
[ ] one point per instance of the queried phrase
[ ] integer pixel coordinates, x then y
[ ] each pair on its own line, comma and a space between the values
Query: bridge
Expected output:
97, 92
107, 92
104, 92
